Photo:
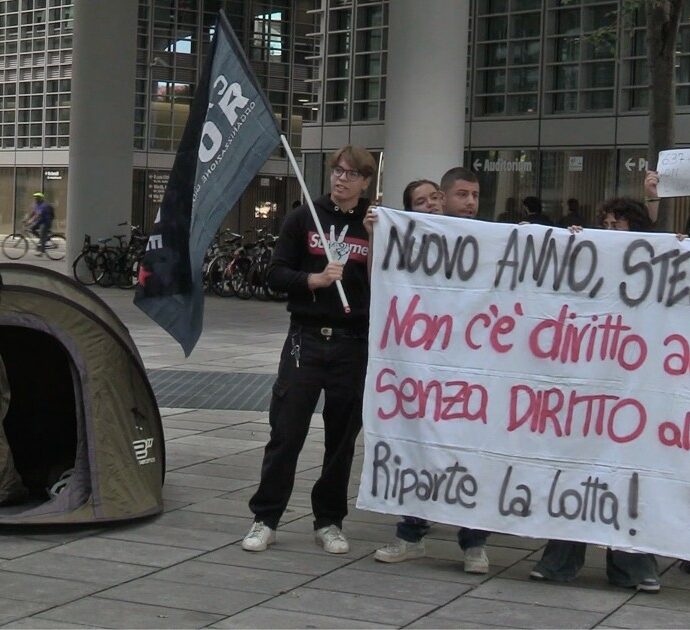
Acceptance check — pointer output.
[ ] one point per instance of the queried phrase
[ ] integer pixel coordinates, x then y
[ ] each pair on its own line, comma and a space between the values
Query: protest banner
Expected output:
673, 167
526, 380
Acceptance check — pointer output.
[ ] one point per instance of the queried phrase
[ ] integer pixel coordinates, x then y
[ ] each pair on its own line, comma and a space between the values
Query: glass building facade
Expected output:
172, 39
556, 97
554, 107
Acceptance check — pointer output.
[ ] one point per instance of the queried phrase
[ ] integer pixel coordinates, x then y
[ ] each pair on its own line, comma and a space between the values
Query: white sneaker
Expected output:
476, 560
400, 550
332, 539
259, 537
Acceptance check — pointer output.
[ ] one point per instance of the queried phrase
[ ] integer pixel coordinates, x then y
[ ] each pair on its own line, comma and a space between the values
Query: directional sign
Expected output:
639, 164
502, 166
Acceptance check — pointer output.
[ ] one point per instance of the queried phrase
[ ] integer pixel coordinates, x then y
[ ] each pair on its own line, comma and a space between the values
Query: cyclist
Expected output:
41, 220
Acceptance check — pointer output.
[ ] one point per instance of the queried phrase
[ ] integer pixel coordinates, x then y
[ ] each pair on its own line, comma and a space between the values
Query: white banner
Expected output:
525, 380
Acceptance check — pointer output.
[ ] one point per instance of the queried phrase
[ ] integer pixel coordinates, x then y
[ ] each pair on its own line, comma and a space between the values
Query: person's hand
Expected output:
332, 273
370, 218
574, 229
681, 237
651, 181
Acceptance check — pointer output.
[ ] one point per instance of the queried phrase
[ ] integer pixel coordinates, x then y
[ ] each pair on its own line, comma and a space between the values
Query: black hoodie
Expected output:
299, 252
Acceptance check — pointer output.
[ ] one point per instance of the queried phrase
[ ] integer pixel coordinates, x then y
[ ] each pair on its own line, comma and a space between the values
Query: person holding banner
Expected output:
460, 189
423, 195
651, 195
326, 349
562, 560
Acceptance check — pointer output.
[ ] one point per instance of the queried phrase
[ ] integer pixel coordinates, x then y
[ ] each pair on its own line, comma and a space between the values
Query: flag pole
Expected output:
319, 229
379, 192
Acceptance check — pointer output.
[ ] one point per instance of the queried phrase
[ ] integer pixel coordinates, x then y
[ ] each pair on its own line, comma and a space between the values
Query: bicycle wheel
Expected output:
219, 277
129, 272
239, 278
83, 267
104, 269
258, 284
56, 247
14, 246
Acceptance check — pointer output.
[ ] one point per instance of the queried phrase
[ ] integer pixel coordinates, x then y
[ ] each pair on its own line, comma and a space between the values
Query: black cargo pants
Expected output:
312, 361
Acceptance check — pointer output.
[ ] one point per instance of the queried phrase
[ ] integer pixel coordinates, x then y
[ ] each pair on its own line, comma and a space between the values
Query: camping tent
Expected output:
83, 440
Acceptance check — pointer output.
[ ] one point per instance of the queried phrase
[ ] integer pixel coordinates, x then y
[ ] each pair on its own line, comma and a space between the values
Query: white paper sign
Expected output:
525, 380
674, 173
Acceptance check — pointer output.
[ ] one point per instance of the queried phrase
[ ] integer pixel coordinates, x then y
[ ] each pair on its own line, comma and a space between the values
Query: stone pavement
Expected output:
186, 569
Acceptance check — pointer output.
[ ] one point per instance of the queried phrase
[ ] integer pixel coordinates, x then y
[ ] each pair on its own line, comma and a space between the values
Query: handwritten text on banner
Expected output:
525, 380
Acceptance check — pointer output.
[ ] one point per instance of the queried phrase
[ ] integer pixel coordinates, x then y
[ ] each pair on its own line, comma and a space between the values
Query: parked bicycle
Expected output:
106, 264
218, 268
16, 245
249, 270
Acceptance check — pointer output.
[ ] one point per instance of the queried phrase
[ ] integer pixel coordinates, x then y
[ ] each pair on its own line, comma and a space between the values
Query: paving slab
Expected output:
187, 537
181, 518
497, 613
200, 598
128, 551
234, 578
41, 589
75, 568
187, 495
36, 623
439, 622
349, 580
278, 560
633, 616
563, 596
358, 607
14, 609
225, 471
15, 546
262, 617
99, 612
423, 569
668, 598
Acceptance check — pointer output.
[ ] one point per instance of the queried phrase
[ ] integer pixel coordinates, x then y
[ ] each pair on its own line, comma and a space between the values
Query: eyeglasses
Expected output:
350, 175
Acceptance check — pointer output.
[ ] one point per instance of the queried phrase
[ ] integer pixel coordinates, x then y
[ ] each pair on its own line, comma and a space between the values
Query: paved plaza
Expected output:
186, 569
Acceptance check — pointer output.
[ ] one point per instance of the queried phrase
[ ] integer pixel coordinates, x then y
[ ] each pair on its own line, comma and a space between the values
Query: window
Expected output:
580, 71
508, 57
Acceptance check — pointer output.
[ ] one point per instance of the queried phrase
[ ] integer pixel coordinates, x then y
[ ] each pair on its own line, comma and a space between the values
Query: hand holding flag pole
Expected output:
319, 229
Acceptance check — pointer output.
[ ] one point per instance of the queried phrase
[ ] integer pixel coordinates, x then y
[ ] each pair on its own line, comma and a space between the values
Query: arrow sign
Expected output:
630, 164
477, 165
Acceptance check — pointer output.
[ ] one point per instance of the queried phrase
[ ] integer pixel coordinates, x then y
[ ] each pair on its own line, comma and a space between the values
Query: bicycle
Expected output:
248, 270
105, 265
219, 269
84, 265
15, 245
119, 264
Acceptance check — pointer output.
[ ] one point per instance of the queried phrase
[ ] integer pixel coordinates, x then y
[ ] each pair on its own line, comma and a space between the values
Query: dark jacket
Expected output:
299, 252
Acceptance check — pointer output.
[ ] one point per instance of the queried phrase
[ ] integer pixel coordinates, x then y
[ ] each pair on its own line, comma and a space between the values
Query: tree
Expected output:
663, 19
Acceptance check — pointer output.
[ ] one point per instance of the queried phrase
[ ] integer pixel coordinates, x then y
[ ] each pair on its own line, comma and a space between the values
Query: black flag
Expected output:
230, 134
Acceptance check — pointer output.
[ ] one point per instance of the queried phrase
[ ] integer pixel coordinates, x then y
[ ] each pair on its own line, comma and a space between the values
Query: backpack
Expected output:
50, 212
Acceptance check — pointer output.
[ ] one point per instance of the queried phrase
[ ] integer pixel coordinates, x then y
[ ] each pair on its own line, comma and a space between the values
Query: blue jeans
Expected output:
562, 560
413, 529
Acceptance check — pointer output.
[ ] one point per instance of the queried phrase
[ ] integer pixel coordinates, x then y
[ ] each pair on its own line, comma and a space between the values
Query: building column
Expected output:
425, 92
99, 190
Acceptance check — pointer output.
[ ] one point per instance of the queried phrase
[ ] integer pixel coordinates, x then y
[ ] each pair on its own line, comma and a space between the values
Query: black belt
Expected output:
330, 332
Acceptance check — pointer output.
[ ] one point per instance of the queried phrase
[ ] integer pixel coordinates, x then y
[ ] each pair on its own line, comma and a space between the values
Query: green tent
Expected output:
82, 439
